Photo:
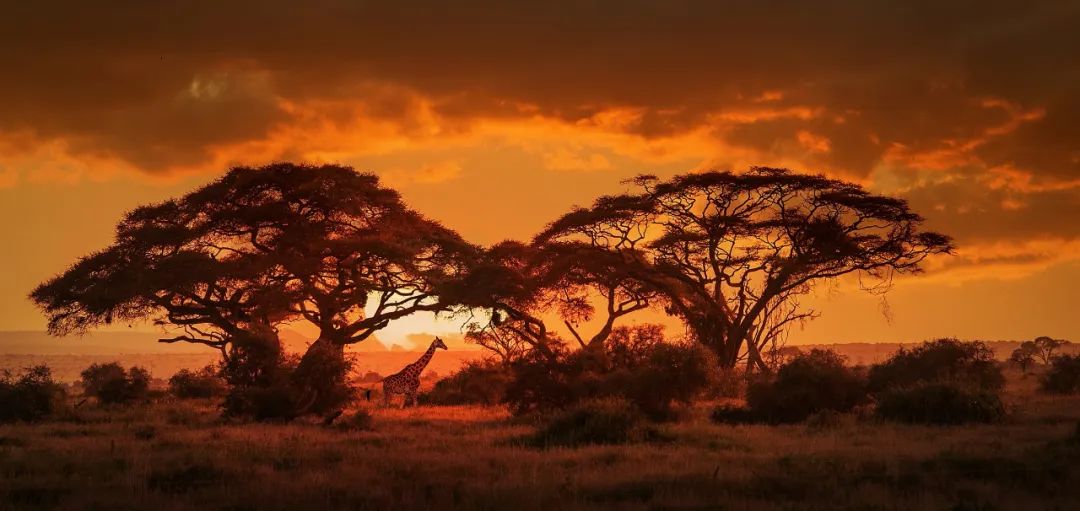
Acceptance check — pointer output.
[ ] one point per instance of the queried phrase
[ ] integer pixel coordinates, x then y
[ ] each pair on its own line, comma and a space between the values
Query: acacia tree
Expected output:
351, 256
166, 268
730, 253
502, 290
1024, 356
1045, 347
576, 273
515, 286
259, 246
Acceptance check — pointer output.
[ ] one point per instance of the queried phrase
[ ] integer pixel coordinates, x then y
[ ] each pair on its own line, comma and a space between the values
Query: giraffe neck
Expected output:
419, 365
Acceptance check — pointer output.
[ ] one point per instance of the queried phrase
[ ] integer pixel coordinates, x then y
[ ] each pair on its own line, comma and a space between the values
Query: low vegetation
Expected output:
965, 363
480, 382
809, 383
941, 403
179, 454
943, 382
31, 396
1063, 375
656, 379
598, 421
111, 383
203, 383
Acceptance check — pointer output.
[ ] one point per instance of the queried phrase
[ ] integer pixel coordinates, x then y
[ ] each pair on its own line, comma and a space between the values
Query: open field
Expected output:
180, 455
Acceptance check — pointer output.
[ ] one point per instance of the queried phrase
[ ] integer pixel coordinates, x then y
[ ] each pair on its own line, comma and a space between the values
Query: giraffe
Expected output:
407, 380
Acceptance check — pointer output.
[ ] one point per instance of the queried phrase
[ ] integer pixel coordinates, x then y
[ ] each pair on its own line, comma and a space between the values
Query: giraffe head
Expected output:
439, 344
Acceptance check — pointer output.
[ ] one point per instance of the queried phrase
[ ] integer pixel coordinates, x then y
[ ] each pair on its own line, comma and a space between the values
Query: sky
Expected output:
496, 117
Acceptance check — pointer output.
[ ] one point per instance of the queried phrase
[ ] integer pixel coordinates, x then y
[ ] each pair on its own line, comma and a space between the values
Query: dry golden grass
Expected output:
180, 455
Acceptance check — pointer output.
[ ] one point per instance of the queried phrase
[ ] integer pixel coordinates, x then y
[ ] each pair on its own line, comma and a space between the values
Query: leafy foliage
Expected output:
1046, 346
940, 402
654, 378
968, 363
483, 382
597, 421
203, 383
111, 383
810, 383
31, 396
1063, 376
1024, 356
730, 253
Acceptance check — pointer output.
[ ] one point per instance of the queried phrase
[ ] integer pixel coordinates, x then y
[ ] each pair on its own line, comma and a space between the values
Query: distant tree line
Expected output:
729, 254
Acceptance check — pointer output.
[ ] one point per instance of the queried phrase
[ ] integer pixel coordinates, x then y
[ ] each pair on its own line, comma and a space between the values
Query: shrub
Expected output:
204, 383
599, 421
538, 384
966, 363
654, 379
111, 383
731, 414
810, 383
1063, 376
278, 402
362, 420
942, 403
30, 397
669, 374
628, 347
483, 382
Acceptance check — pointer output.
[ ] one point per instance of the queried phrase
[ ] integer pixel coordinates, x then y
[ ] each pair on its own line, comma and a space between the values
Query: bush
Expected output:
600, 421
482, 382
669, 374
30, 397
731, 414
204, 383
810, 383
362, 420
278, 402
943, 403
1063, 376
654, 379
966, 363
111, 383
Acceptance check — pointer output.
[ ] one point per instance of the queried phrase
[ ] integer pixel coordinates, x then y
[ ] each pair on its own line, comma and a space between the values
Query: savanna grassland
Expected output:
171, 454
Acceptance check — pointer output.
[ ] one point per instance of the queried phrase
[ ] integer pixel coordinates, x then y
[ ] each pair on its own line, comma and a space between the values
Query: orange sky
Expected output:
495, 117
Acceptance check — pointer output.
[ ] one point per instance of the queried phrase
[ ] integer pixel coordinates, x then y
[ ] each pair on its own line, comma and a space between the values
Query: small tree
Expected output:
111, 383
951, 360
1024, 356
1063, 376
30, 397
203, 383
1046, 346
810, 383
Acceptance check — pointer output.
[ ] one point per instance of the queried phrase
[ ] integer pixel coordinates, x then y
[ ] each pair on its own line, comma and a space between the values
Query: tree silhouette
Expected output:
730, 253
506, 286
1024, 356
231, 260
166, 266
1046, 346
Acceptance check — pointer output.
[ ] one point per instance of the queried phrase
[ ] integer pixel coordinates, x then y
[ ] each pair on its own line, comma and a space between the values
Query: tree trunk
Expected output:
710, 331
323, 370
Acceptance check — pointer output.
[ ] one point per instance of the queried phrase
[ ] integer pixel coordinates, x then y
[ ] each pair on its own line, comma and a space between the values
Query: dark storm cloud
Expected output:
159, 84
